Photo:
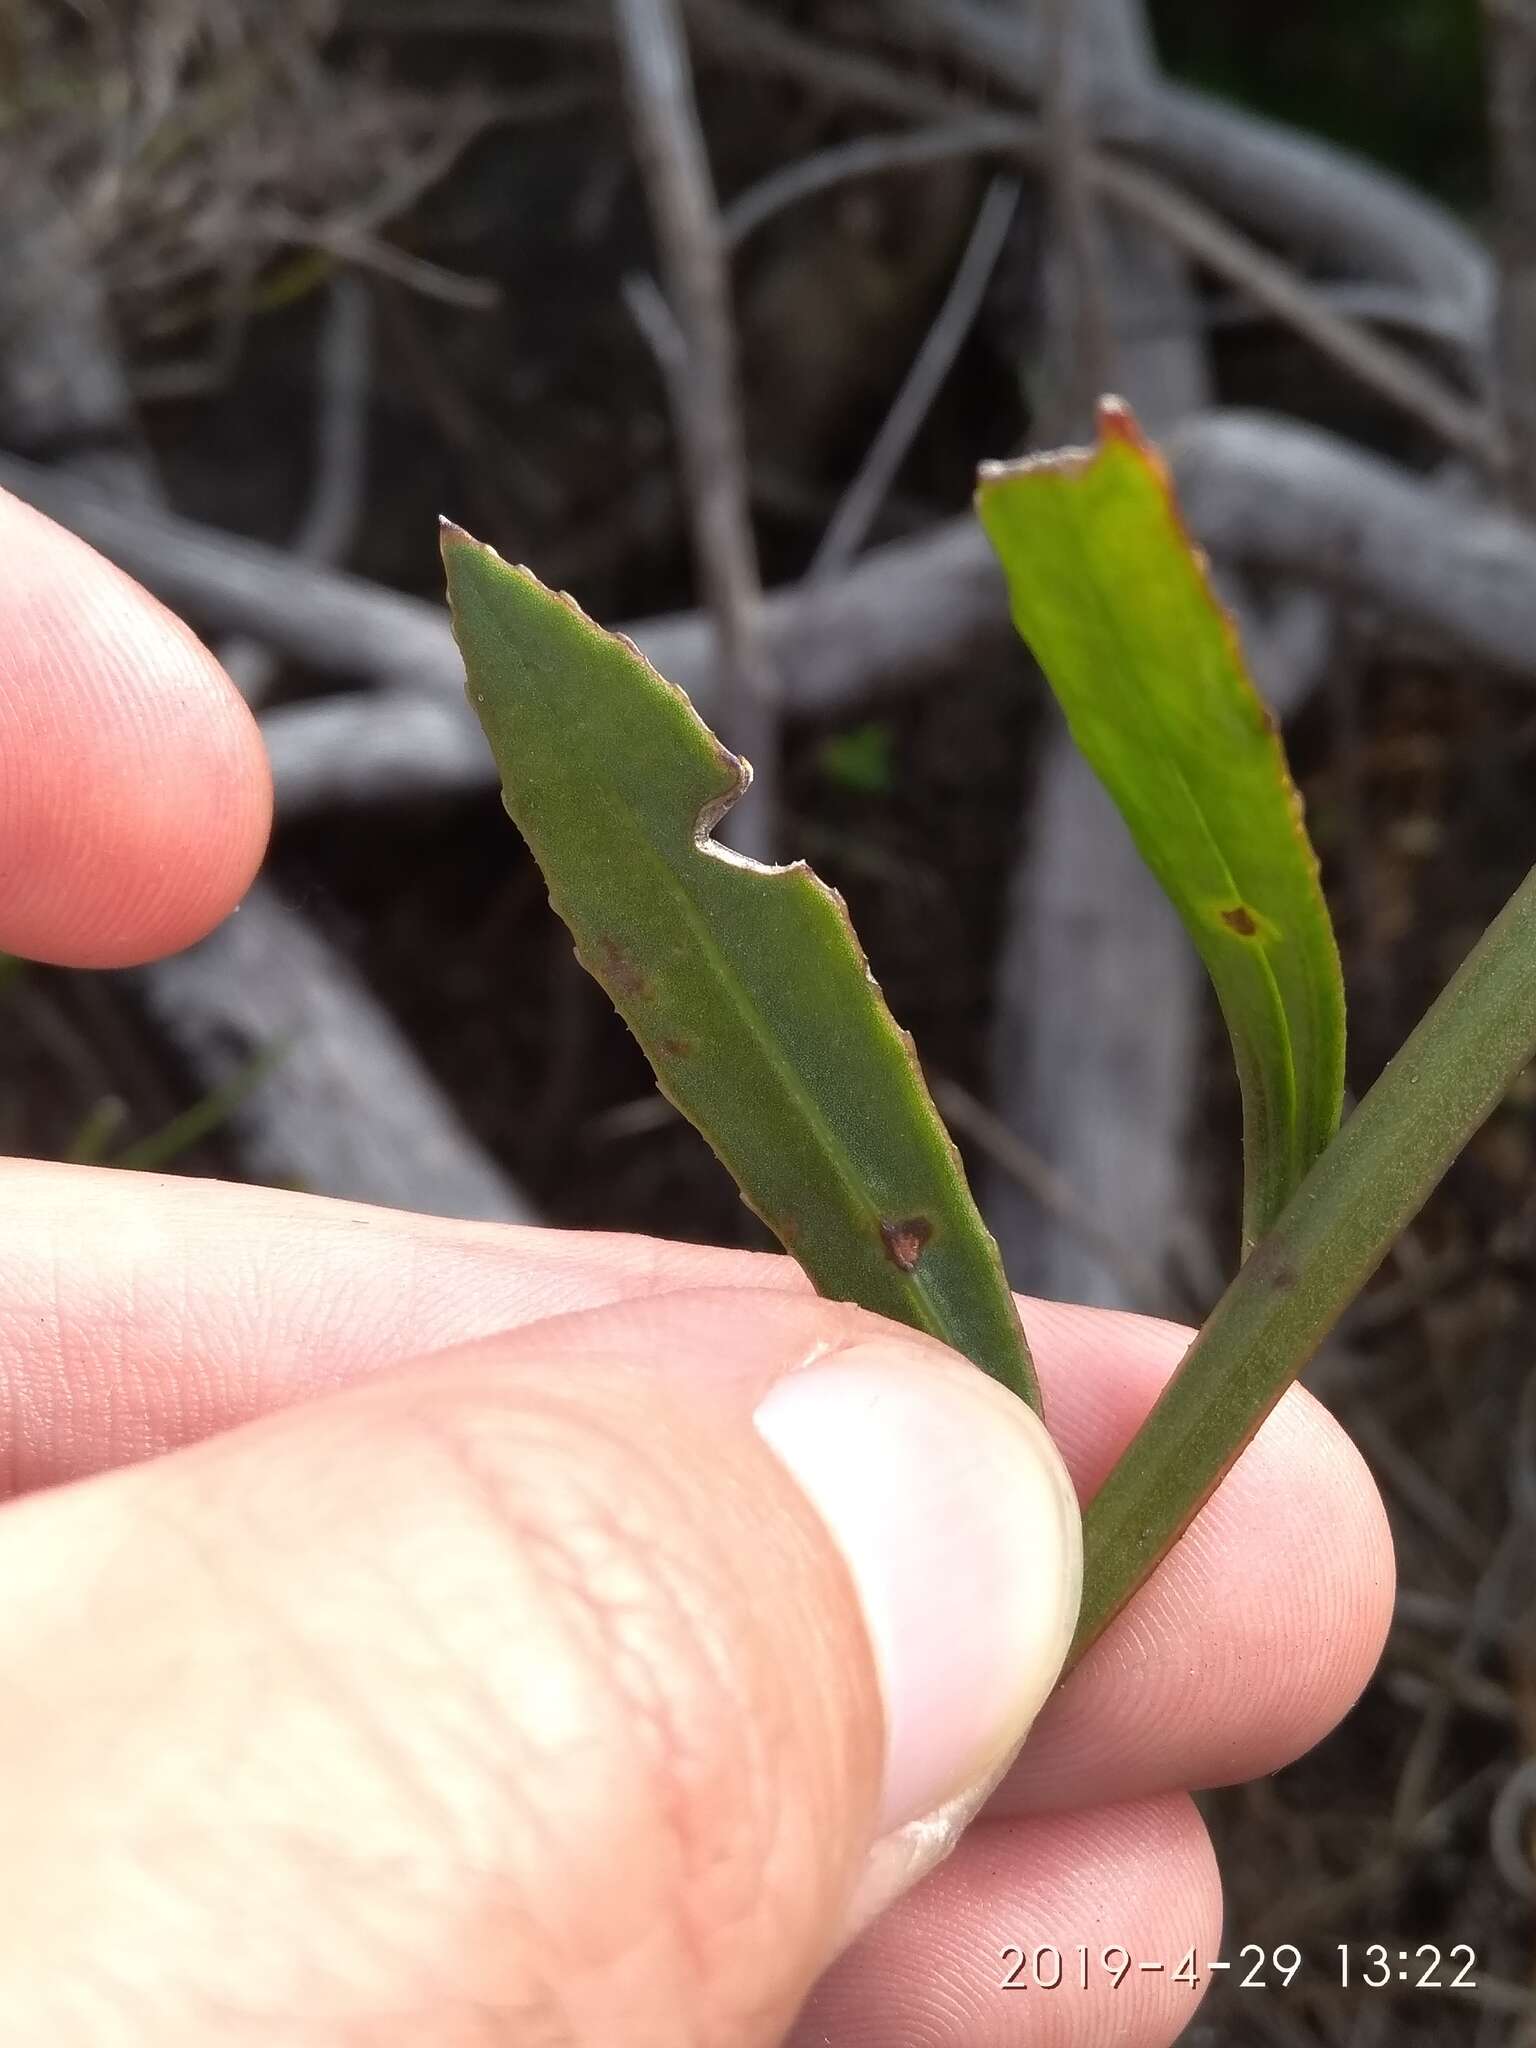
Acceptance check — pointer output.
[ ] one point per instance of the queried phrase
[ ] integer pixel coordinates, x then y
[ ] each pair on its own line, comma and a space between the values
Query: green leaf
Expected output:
744, 985
1114, 600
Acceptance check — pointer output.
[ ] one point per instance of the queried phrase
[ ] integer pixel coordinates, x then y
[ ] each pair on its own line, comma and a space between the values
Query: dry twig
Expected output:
1142, 1286
194, 144
694, 339
859, 507
1259, 491
1084, 346
1301, 503
1510, 41
349, 1110
330, 521
969, 130
1292, 188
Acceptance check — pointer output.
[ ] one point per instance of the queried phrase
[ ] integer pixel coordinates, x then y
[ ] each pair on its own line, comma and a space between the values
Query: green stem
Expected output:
202, 1118
1324, 1246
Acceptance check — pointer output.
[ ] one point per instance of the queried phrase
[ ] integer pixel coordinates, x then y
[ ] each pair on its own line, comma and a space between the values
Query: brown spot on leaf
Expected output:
676, 1048
904, 1241
626, 975
1240, 919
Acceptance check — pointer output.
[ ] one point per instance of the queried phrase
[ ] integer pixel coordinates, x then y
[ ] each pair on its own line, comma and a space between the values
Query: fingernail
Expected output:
961, 1532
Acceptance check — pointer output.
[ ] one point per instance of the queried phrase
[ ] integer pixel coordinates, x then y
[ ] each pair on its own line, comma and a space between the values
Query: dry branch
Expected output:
859, 506
1259, 491
347, 1108
961, 128
697, 352
1080, 337
192, 144
1293, 500
1306, 194
910, 608
335, 623
348, 1111
329, 525
1093, 1043
1510, 38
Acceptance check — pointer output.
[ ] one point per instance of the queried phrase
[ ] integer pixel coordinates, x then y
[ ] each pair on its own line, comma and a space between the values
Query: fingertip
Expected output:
1306, 1527
136, 800
1038, 1925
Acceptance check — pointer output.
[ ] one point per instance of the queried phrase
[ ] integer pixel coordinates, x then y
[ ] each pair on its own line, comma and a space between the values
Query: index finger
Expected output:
135, 798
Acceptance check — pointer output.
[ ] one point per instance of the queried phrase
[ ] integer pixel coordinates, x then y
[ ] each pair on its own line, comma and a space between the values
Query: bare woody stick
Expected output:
694, 337
1089, 356
859, 507
348, 1109
965, 128
1510, 39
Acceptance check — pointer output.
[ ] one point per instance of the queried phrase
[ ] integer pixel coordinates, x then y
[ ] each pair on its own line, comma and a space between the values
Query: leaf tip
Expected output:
1117, 421
452, 535
460, 549
1114, 420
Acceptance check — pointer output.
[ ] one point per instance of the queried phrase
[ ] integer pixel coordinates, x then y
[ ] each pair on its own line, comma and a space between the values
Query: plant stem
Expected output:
1325, 1245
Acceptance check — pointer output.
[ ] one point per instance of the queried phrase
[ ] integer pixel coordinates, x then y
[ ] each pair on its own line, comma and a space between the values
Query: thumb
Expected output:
581, 1687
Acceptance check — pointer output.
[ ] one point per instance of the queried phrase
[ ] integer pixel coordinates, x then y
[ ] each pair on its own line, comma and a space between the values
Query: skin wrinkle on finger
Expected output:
136, 800
351, 1642
1252, 1639
671, 1676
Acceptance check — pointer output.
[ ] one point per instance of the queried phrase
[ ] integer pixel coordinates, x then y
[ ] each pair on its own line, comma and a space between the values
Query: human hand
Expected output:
431, 1649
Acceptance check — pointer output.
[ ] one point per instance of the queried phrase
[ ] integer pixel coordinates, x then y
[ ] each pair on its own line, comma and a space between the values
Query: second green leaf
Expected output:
1117, 606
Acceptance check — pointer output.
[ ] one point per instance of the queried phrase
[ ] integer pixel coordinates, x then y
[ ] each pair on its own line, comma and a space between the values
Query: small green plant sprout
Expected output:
751, 998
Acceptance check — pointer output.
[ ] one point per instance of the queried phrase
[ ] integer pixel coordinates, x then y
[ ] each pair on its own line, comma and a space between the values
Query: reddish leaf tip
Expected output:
1117, 422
